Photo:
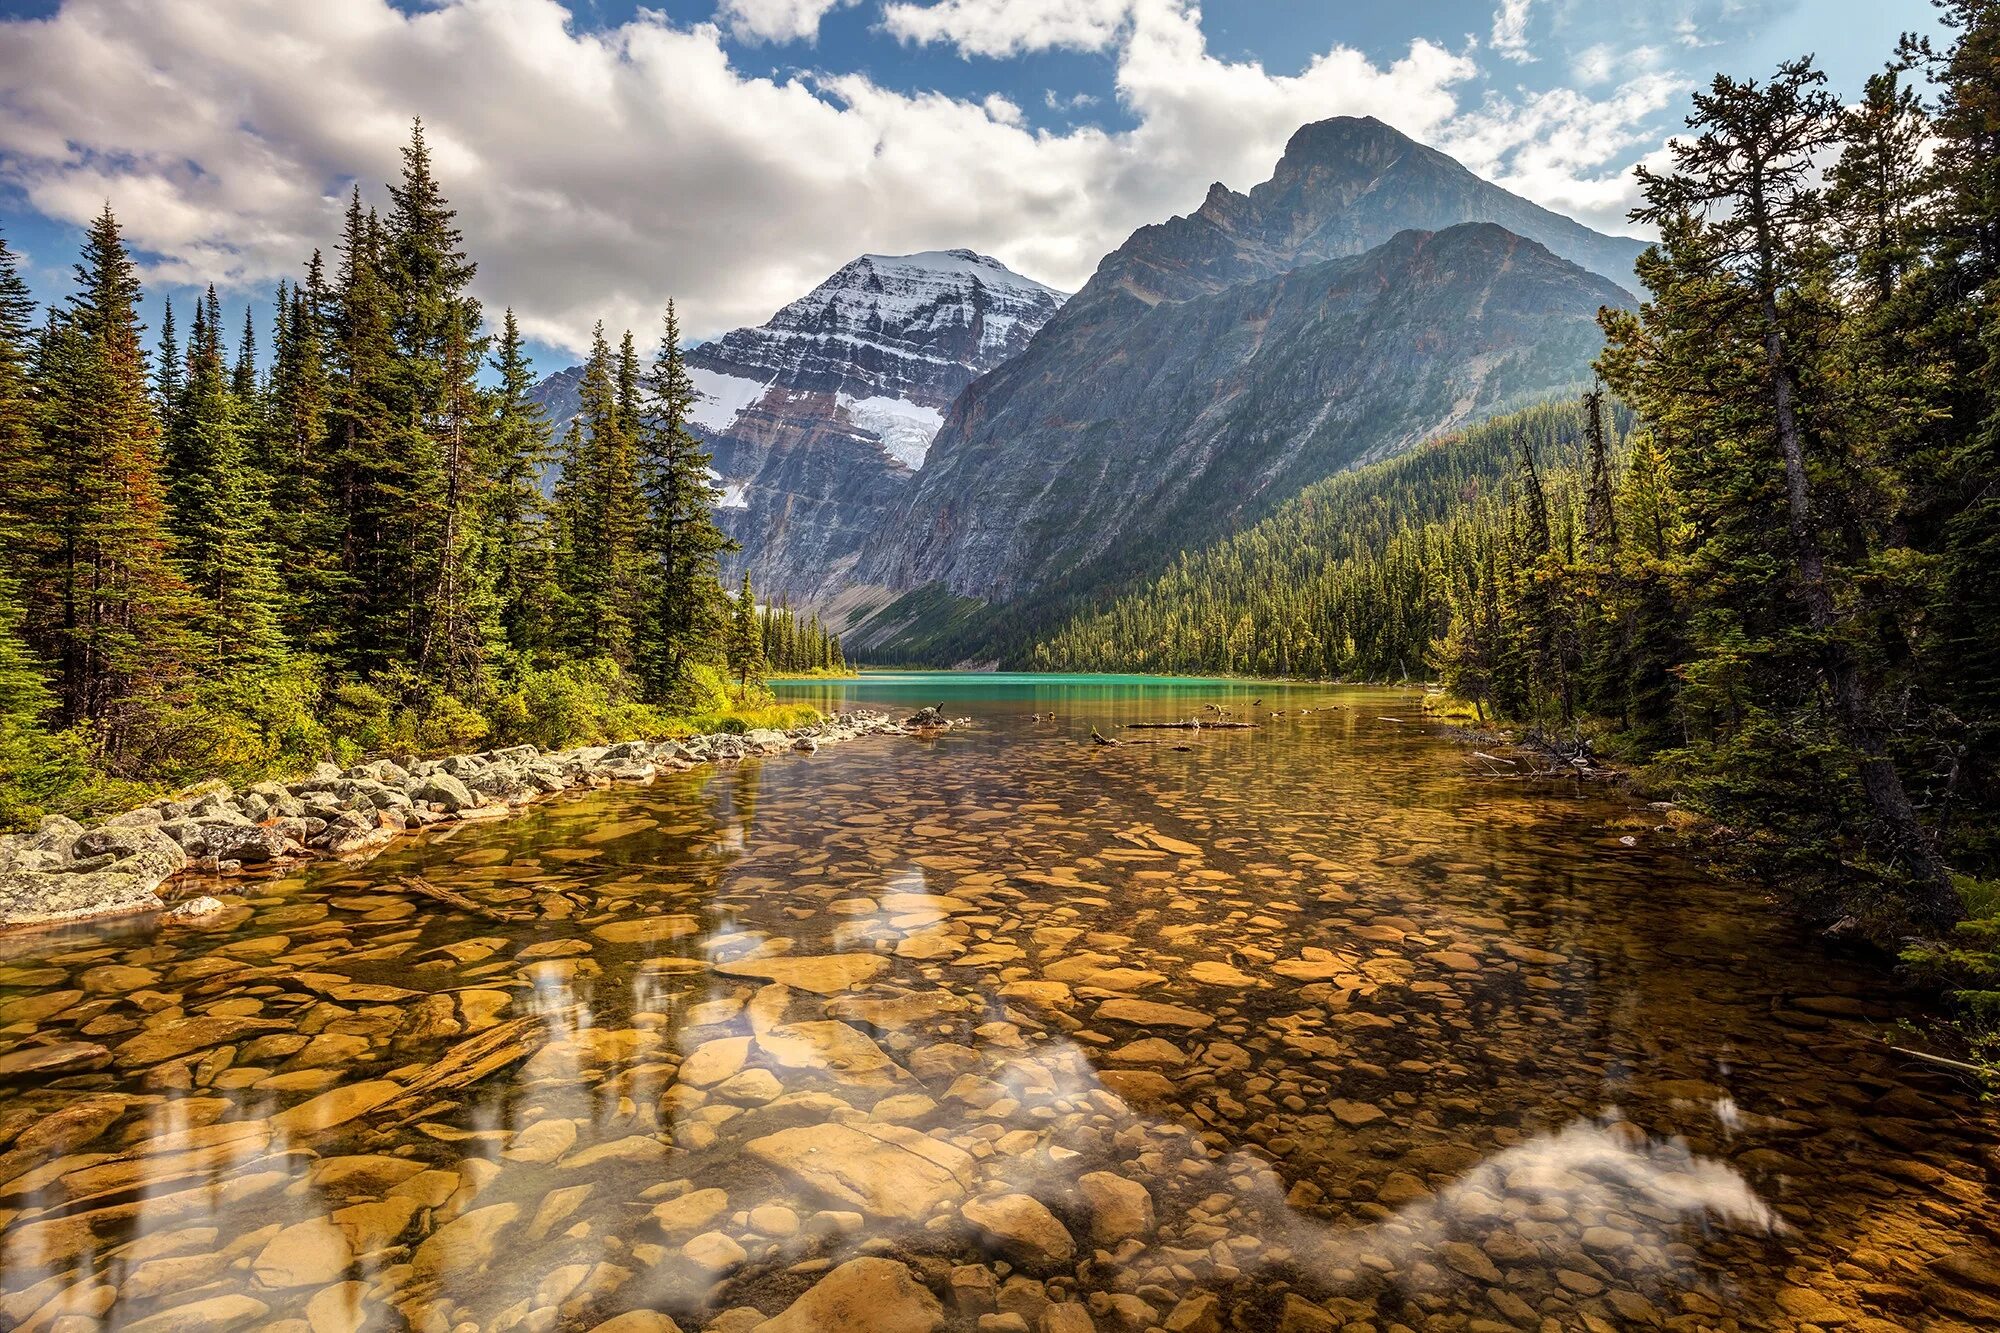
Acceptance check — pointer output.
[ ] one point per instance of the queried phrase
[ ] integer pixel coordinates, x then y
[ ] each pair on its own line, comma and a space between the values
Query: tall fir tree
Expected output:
368, 470
684, 621
1743, 203
438, 410
516, 518
19, 472
104, 602
220, 515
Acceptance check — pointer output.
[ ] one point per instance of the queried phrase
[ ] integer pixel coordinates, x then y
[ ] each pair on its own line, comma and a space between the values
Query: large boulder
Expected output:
445, 790
54, 875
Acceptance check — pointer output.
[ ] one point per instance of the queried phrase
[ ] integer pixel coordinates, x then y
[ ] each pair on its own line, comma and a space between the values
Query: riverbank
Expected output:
64, 871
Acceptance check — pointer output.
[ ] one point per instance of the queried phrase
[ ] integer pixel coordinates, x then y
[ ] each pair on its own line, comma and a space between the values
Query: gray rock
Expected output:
446, 790
109, 870
252, 845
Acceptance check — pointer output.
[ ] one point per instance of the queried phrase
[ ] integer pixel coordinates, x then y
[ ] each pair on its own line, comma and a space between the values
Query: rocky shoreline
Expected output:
63, 871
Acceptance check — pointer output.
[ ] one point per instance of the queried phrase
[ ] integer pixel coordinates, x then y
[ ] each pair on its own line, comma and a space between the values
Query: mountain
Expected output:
1372, 293
818, 418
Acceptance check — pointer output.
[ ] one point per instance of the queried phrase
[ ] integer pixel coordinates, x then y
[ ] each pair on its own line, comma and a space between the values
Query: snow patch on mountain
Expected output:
905, 429
723, 398
734, 495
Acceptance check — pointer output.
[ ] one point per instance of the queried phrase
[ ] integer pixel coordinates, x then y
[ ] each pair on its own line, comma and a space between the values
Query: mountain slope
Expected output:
1190, 418
818, 417
1343, 579
1218, 361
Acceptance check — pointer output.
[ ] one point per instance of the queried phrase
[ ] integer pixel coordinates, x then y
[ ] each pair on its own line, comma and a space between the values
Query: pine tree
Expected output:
684, 621
219, 514
369, 475
438, 409
516, 521
1740, 214
19, 471
600, 519
167, 365
746, 643
302, 529
104, 603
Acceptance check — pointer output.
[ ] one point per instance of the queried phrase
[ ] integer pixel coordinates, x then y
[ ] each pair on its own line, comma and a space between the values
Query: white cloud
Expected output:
1009, 27
598, 172
1074, 102
1510, 30
776, 20
1566, 150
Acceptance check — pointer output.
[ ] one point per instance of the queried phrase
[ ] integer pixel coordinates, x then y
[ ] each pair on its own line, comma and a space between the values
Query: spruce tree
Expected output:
1740, 213
104, 603
601, 513
368, 474
517, 524
168, 365
19, 471
220, 517
437, 410
746, 643
684, 623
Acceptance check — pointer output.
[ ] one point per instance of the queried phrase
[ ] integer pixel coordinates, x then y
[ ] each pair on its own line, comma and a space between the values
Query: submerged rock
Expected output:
888, 1170
862, 1296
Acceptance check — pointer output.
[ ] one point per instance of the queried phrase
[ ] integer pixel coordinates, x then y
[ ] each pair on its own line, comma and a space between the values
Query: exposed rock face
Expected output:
1215, 363
60, 872
818, 418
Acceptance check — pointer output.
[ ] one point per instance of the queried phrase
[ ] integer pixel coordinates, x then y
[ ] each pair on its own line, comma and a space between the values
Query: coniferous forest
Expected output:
222, 560
1761, 560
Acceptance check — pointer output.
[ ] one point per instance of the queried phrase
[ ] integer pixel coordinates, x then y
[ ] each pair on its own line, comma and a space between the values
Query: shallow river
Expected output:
1307, 1027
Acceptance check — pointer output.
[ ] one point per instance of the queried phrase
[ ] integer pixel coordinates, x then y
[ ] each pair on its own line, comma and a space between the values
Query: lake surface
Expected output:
1308, 1027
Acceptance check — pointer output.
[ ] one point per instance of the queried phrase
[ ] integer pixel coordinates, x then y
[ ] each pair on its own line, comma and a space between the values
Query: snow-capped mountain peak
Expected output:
817, 417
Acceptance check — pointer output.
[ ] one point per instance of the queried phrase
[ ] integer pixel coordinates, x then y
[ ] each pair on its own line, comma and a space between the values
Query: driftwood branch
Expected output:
417, 884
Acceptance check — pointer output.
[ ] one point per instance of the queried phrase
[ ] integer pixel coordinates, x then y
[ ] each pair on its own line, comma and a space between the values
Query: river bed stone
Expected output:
1301, 1027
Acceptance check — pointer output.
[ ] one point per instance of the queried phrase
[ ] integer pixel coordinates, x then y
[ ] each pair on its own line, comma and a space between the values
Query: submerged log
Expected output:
1191, 726
476, 1057
417, 884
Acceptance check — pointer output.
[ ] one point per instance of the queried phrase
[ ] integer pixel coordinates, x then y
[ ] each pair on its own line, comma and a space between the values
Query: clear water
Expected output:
1383, 1041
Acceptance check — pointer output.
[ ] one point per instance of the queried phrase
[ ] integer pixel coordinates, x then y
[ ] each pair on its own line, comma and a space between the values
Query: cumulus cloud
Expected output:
597, 172
1010, 27
1564, 149
776, 20
1510, 30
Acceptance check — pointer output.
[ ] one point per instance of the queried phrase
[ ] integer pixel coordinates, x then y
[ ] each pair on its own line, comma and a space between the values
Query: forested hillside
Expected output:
210, 567
1351, 578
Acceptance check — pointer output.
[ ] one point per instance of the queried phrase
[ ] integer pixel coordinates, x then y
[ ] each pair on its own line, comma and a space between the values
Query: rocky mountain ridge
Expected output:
818, 418
1371, 293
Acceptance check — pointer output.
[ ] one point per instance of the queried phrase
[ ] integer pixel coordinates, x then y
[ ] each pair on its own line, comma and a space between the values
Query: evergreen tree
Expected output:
27, 757
437, 408
219, 514
292, 452
367, 469
103, 601
1740, 212
516, 523
19, 470
601, 516
167, 366
746, 643
684, 620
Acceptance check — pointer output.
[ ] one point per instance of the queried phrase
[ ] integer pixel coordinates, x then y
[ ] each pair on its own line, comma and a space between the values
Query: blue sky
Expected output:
732, 152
